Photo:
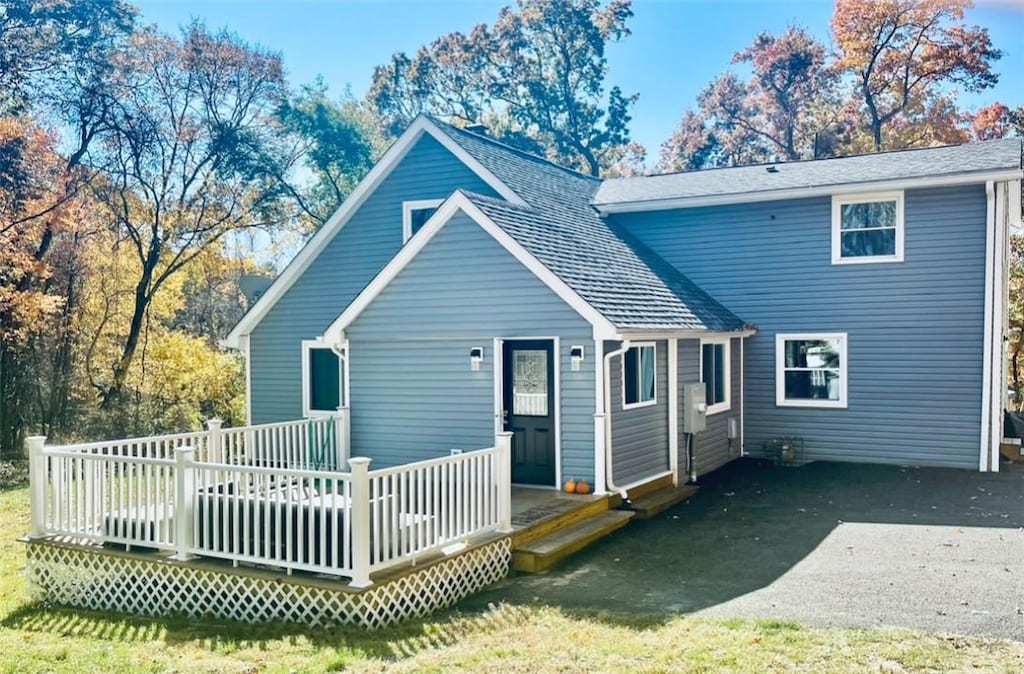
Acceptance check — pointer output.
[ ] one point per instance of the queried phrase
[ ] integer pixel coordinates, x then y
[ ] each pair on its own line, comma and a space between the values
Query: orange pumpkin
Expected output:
570, 486
582, 487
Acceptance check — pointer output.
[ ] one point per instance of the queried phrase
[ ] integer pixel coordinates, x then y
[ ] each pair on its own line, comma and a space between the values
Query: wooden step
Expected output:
570, 511
650, 487
543, 552
650, 505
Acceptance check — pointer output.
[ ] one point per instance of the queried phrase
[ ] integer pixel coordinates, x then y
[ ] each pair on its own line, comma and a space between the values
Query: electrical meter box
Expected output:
695, 408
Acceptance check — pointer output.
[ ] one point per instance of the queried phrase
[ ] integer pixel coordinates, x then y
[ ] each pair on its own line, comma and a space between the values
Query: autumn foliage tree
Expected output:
536, 77
773, 115
183, 159
902, 57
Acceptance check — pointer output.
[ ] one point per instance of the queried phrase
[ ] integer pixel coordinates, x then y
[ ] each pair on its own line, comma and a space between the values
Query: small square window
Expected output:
715, 373
810, 370
867, 228
639, 365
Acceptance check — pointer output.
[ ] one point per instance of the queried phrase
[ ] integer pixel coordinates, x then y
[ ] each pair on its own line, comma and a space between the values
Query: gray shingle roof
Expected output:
626, 282
984, 157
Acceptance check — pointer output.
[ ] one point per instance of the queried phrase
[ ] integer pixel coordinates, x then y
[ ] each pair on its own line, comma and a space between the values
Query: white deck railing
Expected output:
255, 495
318, 443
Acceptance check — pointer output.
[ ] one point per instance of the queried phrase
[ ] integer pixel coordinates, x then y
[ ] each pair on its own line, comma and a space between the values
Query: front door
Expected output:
528, 378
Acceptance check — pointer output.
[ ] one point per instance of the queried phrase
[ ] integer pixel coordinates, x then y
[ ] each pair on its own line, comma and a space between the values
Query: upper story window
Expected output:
810, 370
415, 214
321, 379
714, 372
639, 365
867, 228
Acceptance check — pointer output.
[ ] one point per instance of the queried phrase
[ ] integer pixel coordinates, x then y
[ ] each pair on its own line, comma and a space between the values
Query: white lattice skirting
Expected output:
77, 576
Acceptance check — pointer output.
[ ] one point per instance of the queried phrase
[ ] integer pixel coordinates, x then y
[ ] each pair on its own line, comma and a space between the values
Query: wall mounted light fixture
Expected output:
476, 357
575, 356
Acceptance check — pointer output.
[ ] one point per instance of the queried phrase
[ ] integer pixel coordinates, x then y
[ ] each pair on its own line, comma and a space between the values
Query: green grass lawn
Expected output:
532, 639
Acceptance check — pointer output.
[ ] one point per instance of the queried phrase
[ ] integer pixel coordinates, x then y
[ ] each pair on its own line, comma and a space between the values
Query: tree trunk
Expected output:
115, 392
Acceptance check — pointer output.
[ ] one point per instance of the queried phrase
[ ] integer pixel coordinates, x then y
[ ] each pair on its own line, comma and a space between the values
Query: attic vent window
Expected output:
415, 214
867, 228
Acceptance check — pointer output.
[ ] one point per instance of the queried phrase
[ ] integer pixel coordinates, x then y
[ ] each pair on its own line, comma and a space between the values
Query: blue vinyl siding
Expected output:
712, 448
640, 434
914, 328
362, 247
413, 394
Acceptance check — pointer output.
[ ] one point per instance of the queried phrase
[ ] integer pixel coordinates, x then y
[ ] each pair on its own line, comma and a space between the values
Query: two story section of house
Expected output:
629, 330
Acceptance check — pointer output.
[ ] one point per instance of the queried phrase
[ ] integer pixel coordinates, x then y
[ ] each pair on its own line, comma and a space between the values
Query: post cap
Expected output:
359, 461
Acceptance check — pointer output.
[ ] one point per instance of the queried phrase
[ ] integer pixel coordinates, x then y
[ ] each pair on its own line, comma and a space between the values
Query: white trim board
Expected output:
986, 361
366, 187
453, 204
804, 192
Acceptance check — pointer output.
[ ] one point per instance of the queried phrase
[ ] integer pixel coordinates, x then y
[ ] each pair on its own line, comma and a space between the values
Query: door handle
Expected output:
504, 416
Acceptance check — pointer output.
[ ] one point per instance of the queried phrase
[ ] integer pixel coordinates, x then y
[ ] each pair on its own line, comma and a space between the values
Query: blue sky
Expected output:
676, 48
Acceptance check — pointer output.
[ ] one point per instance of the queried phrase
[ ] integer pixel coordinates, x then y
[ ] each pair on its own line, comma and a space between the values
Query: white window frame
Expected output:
725, 405
643, 403
307, 346
838, 201
407, 210
780, 369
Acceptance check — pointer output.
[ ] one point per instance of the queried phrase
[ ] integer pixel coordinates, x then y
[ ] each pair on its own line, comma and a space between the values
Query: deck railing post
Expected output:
343, 435
37, 484
503, 474
359, 468
214, 448
184, 501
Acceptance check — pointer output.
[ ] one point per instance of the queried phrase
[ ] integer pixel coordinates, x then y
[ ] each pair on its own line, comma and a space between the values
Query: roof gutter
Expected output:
631, 206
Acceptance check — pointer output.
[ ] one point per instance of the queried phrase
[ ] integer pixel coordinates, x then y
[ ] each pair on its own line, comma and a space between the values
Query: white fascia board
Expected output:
804, 192
459, 202
305, 257
660, 333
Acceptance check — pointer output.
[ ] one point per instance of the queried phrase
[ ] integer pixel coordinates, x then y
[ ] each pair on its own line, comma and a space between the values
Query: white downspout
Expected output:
609, 470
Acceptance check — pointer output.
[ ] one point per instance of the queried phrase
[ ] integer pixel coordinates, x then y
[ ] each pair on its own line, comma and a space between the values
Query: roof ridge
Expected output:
790, 162
505, 146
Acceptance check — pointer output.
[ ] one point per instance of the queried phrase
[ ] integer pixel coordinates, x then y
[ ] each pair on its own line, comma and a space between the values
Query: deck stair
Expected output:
655, 497
549, 533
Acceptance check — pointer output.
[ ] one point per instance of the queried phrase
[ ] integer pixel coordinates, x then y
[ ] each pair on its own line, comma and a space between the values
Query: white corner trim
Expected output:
673, 408
622, 378
839, 201
244, 346
307, 346
726, 343
309, 252
408, 207
780, 362
986, 362
606, 208
443, 215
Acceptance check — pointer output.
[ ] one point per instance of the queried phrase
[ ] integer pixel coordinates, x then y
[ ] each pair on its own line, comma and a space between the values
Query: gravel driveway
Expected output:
827, 544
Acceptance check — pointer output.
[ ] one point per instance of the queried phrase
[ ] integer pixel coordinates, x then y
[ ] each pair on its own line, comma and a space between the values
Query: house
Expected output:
474, 317
634, 329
